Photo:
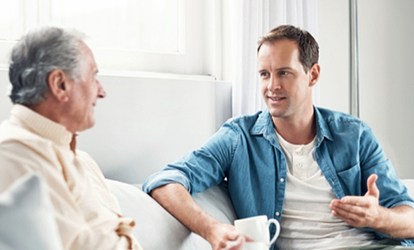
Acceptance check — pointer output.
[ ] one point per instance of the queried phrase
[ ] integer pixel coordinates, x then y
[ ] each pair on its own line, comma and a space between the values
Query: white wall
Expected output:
386, 84
334, 50
385, 59
147, 121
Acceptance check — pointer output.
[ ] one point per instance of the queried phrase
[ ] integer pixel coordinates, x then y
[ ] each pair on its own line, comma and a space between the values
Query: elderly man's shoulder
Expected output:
23, 151
11, 131
21, 141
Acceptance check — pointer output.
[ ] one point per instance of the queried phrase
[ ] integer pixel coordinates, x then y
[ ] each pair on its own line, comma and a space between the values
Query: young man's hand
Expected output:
360, 211
225, 237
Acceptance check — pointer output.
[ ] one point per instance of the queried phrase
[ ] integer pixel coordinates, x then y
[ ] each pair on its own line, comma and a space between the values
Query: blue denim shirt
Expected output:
245, 151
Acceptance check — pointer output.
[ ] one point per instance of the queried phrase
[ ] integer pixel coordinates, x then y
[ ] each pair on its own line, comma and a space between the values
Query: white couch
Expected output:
157, 229
26, 221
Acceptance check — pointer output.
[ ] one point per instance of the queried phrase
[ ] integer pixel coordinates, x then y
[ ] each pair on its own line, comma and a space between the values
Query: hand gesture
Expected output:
360, 211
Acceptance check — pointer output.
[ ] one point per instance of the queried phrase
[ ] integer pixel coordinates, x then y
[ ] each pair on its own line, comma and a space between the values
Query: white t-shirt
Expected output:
307, 222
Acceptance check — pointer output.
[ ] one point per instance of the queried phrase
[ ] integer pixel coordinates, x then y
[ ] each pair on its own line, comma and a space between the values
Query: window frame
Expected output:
199, 51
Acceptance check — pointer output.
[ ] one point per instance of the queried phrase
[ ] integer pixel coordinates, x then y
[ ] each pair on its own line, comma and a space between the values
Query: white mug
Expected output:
257, 229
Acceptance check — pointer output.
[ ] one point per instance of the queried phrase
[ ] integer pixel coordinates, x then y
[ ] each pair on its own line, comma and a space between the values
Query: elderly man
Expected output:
54, 92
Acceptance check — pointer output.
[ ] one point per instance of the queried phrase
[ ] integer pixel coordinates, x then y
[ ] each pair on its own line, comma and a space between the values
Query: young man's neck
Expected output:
298, 132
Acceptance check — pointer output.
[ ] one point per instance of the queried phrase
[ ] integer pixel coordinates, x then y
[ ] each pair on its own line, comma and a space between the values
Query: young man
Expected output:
54, 92
321, 173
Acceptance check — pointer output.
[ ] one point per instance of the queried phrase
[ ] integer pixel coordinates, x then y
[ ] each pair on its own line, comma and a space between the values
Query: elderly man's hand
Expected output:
360, 211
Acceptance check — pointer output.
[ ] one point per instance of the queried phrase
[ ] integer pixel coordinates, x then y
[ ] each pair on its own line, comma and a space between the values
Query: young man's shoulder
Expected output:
247, 118
246, 122
330, 115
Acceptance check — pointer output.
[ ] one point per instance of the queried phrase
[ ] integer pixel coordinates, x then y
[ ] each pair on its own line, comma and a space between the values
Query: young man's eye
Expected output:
264, 74
283, 73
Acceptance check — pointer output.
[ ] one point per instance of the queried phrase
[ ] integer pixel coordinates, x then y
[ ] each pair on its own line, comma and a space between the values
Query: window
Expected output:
174, 36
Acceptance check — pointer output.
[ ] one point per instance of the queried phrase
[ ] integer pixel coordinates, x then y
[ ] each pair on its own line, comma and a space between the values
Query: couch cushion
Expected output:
215, 202
26, 216
156, 228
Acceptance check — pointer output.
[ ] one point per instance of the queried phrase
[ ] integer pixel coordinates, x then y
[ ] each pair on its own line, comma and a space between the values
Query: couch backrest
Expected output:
147, 121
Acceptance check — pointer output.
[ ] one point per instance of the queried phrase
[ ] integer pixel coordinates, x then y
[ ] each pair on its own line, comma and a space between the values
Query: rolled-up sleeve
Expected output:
164, 177
202, 168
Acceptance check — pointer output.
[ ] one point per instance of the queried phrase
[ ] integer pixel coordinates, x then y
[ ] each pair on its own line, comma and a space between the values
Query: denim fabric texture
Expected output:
245, 153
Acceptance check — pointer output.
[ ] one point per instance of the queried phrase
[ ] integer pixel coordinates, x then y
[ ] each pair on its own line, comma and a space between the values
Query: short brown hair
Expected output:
308, 47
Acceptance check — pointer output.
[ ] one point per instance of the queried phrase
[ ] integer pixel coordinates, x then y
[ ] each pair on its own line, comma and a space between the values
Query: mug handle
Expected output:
277, 231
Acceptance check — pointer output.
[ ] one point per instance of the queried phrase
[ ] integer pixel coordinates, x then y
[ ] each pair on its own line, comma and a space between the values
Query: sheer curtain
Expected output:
251, 19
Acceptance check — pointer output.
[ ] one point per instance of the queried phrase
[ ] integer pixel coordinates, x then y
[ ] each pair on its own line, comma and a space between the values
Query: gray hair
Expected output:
36, 55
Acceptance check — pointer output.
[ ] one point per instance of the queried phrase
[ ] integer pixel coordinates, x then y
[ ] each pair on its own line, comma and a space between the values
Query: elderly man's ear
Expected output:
58, 85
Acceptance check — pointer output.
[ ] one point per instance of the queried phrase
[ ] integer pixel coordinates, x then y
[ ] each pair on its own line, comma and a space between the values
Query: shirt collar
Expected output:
41, 125
264, 125
322, 128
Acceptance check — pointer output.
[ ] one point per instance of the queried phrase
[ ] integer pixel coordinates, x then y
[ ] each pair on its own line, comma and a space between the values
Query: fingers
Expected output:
355, 216
348, 213
356, 201
235, 244
351, 204
356, 211
372, 186
226, 237
348, 209
359, 211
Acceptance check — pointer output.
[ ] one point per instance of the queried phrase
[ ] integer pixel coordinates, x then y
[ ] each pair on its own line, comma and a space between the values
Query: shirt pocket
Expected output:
350, 180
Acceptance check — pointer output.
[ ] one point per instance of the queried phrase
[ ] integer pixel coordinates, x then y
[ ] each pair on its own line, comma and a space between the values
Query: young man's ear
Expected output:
314, 73
57, 85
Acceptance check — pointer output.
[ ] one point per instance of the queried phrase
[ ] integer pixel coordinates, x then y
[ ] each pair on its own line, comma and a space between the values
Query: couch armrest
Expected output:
156, 228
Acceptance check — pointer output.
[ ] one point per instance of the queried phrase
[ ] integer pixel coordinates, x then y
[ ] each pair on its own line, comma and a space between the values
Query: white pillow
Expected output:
156, 228
215, 202
26, 217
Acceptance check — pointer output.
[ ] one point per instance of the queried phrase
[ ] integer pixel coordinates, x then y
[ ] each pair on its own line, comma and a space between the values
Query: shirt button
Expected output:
282, 180
277, 214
